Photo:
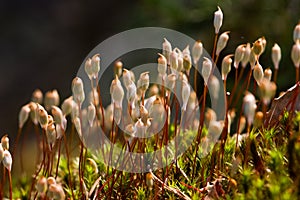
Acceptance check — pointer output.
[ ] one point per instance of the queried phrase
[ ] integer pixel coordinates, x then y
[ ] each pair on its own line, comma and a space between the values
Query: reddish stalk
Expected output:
238, 128
46, 153
68, 164
241, 74
215, 46
175, 130
58, 158
234, 86
10, 185
216, 60
225, 130
195, 77
193, 188
275, 75
17, 141
249, 79
81, 151
165, 141
199, 134
80, 166
1, 190
101, 105
232, 105
51, 157
38, 140
297, 73
143, 98
4, 176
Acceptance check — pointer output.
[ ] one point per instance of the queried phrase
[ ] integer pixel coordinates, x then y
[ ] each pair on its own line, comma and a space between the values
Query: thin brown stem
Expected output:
241, 74
10, 185
195, 77
51, 157
101, 105
1, 187
275, 75
17, 141
58, 158
297, 74
81, 151
200, 127
224, 132
234, 86
4, 176
215, 46
80, 166
68, 164
249, 79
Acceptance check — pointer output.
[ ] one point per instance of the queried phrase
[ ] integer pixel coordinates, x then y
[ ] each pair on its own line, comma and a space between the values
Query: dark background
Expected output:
43, 43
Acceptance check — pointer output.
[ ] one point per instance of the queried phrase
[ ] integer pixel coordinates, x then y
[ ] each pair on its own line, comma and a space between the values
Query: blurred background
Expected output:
43, 43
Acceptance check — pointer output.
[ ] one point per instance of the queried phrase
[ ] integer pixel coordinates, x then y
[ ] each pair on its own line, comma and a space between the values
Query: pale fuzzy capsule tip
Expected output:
259, 46
174, 59
296, 33
197, 51
246, 57
214, 87
222, 42
295, 54
23, 115
33, 112
41, 185
88, 68
276, 55
129, 131
5, 142
51, 99
267, 90
258, 73
67, 106
218, 20
116, 92
250, 106
143, 82
206, 69
238, 55
7, 160
185, 94
1, 153
186, 50
91, 114
210, 115
57, 115
95, 65
268, 74
51, 134
77, 90
162, 64
37, 96
167, 49
57, 191
42, 116
118, 68
226, 66
127, 77
214, 130
187, 62
77, 125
